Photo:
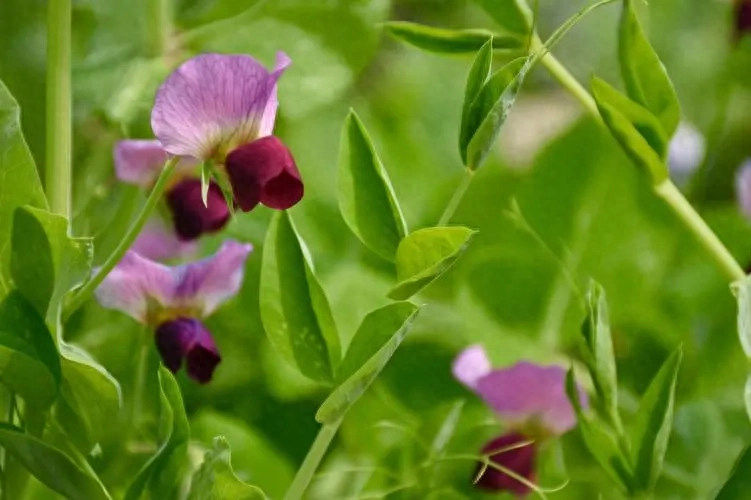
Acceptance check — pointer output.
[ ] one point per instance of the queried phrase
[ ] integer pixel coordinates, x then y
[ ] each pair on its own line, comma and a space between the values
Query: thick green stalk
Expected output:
312, 461
456, 198
88, 288
666, 190
160, 26
59, 114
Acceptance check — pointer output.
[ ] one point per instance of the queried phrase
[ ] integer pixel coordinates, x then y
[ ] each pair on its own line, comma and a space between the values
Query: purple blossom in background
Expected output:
174, 300
141, 161
686, 152
742, 18
222, 108
743, 187
157, 241
531, 401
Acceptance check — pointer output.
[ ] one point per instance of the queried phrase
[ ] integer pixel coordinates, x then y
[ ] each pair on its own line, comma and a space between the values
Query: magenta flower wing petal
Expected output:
526, 392
157, 241
213, 103
139, 161
202, 286
138, 287
471, 365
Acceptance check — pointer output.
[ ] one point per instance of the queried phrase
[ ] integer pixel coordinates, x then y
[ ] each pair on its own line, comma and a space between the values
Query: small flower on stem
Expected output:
222, 109
531, 401
174, 300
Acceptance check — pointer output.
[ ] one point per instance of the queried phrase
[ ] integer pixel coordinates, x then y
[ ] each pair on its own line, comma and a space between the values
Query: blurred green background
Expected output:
585, 214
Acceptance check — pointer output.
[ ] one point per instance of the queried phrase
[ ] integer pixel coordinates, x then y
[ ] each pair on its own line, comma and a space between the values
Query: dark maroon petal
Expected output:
264, 171
742, 18
187, 338
191, 217
520, 460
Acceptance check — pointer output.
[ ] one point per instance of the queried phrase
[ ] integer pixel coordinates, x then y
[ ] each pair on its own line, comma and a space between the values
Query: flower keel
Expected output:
187, 339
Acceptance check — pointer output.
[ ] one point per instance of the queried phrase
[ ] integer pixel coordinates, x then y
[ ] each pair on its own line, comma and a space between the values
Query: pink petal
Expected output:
213, 103
471, 365
139, 161
157, 241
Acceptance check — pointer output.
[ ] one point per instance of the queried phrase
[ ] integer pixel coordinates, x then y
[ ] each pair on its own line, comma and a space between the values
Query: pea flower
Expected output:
743, 187
174, 300
157, 241
686, 151
140, 161
531, 400
221, 109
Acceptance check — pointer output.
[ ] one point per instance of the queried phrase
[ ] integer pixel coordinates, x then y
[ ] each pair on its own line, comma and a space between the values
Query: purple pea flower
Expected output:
157, 241
743, 187
222, 108
174, 300
531, 400
140, 162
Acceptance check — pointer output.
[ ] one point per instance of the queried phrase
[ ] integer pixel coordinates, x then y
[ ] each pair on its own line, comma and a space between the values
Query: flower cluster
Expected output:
531, 401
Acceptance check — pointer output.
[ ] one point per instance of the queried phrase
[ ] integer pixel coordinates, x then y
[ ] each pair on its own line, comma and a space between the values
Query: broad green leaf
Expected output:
19, 180
738, 484
637, 131
294, 309
45, 262
651, 429
601, 444
91, 398
742, 292
29, 361
601, 360
514, 15
175, 433
366, 198
645, 77
448, 41
478, 75
216, 480
255, 458
491, 108
51, 466
379, 335
425, 255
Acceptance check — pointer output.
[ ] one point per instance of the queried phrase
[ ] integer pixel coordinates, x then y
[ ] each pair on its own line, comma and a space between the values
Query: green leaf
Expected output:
376, 340
742, 292
425, 255
739, 483
645, 77
29, 361
448, 41
478, 75
637, 131
601, 444
19, 180
45, 262
175, 432
651, 428
491, 108
51, 466
366, 197
294, 309
255, 458
216, 480
601, 360
514, 15
91, 398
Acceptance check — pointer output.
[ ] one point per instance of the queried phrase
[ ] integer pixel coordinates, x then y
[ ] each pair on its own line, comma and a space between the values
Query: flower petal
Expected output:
202, 286
137, 286
264, 171
471, 365
191, 217
139, 161
188, 339
526, 393
743, 186
507, 452
269, 114
213, 102
157, 241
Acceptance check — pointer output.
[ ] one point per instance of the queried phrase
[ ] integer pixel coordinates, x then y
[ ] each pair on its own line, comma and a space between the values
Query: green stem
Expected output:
711, 243
58, 120
87, 289
666, 190
456, 198
160, 26
312, 460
